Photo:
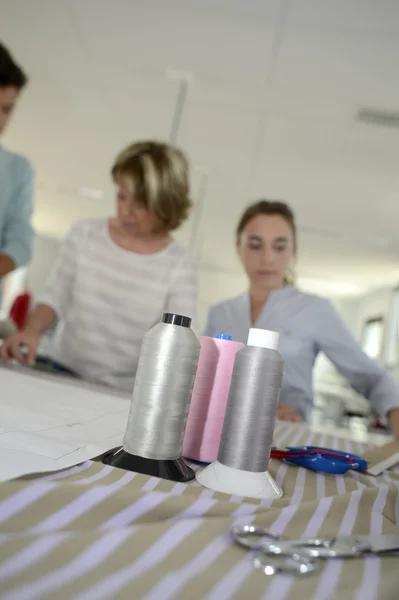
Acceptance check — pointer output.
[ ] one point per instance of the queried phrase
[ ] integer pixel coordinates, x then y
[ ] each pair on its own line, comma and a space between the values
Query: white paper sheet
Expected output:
48, 422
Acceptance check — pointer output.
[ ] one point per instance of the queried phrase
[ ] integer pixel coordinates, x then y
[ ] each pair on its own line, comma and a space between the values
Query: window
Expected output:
391, 340
372, 337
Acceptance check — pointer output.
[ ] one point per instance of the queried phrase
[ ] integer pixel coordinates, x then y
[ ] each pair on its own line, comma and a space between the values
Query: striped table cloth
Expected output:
94, 532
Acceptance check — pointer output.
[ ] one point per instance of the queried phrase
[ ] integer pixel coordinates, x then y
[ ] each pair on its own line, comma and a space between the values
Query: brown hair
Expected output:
268, 207
160, 175
11, 74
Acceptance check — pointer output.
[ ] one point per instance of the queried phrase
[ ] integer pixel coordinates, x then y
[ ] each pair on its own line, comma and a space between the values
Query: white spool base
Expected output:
220, 478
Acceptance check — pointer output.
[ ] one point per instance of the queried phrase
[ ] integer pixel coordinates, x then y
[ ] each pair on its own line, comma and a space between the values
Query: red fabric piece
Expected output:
20, 309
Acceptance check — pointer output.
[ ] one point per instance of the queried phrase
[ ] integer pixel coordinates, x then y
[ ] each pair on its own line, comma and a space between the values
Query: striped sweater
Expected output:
106, 299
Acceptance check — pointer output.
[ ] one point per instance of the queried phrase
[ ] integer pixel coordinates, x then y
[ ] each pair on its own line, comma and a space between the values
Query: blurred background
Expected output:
292, 100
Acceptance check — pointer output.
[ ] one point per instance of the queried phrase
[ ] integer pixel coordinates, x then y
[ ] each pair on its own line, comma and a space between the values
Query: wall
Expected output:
215, 286
45, 253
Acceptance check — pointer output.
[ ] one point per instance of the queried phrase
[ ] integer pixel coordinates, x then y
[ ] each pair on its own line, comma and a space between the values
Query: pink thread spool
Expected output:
209, 398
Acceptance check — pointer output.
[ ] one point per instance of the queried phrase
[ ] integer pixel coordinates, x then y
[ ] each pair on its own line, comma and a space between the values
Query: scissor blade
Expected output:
384, 543
370, 544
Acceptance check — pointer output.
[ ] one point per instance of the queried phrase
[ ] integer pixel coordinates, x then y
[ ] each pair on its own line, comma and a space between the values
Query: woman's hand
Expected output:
40, 320
13, 345
286, 413
394, 422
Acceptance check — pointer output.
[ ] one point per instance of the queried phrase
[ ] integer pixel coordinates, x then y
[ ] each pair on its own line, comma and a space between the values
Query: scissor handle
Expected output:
287, 565
325, 459
300, 452
293, 563
244, 536
348, 456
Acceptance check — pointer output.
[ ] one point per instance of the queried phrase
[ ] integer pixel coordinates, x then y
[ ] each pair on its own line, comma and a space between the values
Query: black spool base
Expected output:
174, 470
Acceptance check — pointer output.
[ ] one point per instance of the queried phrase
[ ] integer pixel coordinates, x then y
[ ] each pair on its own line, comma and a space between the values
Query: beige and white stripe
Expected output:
95, 532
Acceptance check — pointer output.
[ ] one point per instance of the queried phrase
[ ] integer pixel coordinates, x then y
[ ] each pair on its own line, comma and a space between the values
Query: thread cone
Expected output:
174, 470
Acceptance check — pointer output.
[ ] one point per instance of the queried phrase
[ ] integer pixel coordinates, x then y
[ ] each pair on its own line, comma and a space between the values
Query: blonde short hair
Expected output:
160, 174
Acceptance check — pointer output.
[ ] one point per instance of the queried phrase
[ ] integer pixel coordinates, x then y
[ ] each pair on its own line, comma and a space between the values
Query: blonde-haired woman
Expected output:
115, 277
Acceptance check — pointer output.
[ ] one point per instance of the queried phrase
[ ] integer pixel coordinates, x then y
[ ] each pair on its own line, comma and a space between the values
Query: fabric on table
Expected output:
96, 532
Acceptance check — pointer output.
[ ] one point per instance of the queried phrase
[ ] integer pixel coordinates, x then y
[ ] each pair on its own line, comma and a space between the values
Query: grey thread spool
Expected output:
250, 417
162, 390
244, 451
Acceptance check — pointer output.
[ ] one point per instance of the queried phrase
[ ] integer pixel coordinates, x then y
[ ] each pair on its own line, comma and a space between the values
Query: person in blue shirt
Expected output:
308, 324
16, 178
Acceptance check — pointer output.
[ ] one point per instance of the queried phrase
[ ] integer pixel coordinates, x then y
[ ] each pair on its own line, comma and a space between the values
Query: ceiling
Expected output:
270, 112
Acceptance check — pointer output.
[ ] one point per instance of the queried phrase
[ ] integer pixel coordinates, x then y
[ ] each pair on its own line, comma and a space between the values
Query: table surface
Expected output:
95, 532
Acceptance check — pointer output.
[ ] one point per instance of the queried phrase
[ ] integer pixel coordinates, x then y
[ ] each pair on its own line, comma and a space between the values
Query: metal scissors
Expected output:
302, 556
349, 546
271, 563
324, 460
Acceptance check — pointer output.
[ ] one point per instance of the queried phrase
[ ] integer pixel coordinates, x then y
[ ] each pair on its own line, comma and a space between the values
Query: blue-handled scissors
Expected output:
324, 460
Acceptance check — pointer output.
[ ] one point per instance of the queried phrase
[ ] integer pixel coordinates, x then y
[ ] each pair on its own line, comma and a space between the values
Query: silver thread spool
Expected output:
162, 389
247, 436
161, 397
